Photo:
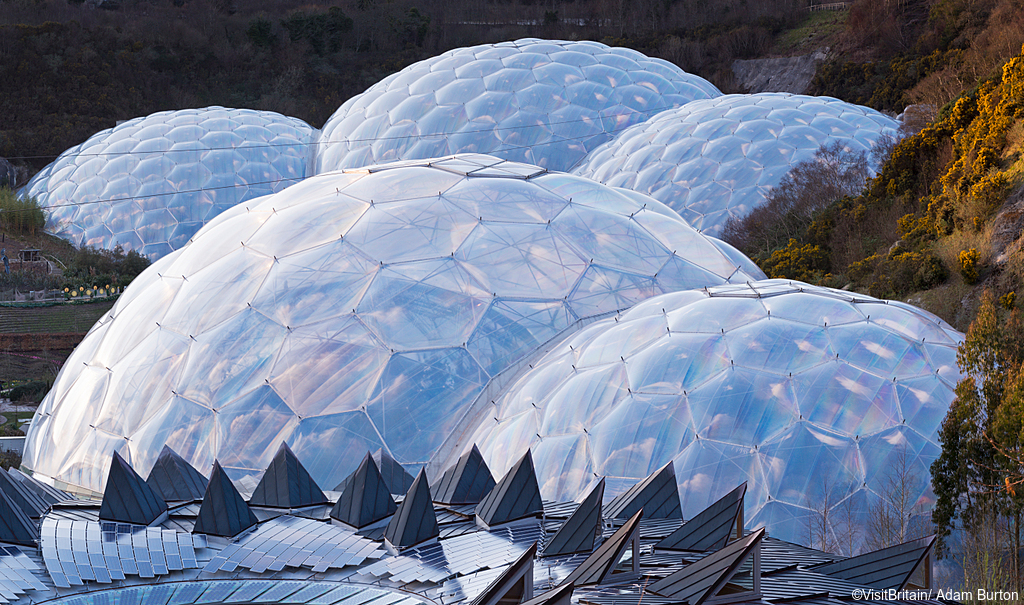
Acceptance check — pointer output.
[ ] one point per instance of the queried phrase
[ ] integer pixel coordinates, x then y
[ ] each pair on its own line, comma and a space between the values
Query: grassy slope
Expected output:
54, 319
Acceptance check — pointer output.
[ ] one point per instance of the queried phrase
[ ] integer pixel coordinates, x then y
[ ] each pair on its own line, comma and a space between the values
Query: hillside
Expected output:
941, 222
73, 69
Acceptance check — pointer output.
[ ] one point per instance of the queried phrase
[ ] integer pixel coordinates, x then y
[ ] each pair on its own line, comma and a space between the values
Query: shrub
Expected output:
969, 265
898, 273
30, 391
806, 263
96, 267
9, 459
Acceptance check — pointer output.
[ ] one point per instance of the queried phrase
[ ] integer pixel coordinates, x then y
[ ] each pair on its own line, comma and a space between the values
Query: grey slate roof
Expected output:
287, 484
710, 528
704, 578
127, 498
15, 526
175, 479
50, 494
414, 521
27, 500
886, 568
657, 495
364, 496
517, 495
465, 482
560, 595
601, 563
224, 511
395, 476
514, 585
577, 534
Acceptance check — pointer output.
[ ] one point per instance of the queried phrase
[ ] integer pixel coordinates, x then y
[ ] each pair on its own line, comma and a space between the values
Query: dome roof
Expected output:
717, 158
150, 183
545, 102
355, 311
808, 394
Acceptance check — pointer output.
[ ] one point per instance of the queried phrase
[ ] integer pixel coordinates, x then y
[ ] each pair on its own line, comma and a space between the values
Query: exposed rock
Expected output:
1007, 226
781, 74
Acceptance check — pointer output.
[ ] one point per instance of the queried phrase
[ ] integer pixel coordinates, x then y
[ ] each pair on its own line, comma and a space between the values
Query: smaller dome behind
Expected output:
544, 102
151, 183
714, 159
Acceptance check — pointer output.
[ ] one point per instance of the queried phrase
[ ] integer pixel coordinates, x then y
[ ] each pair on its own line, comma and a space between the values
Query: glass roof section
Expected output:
717, 158
541, 102
151, 183
356, 311
731, 385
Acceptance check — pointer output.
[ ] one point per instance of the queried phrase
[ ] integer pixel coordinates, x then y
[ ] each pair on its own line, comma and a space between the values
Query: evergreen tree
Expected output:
976, 475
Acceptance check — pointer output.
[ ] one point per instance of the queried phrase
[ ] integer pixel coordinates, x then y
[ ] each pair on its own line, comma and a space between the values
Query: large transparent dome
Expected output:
355, 311
718, 158
150, 183
538, 101
811, 395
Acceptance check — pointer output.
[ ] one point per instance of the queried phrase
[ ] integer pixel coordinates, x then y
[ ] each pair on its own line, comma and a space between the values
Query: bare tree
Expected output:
810, 187
895, 517
832, 524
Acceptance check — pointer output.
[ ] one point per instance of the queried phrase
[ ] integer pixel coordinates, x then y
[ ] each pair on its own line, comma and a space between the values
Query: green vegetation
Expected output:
9, 459
105, 269
928, 214
817, 29
920, 51
29, 391
20, 215
977, 478
52, 318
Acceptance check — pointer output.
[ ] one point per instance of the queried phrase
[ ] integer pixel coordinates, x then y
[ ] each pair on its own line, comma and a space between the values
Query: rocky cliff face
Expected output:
783, 74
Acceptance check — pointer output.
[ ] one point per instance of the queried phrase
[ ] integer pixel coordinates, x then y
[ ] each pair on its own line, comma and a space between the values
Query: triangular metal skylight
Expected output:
598, 567
364, 497
710, 529
883, 569
223, 511
514, 585
22, 497
516, 496
657, 495
465, 482
703, 579
396, 478
175, 479
127, 498
286, 484
15, 526
560, 595
578, 533
414, 521
50, 494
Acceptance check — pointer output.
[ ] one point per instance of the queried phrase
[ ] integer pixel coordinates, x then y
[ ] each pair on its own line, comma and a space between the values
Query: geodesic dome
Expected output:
718, 158
544, 102
811, 395
355, 311
150, 183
